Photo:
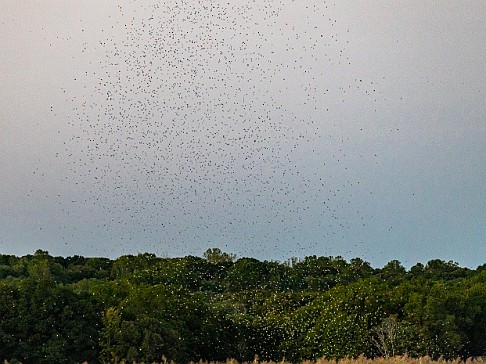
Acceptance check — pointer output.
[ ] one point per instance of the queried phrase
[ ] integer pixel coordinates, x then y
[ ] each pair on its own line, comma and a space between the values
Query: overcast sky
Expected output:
272, 129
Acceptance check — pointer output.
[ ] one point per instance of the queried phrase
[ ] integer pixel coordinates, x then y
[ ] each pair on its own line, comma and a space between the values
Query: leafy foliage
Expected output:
148, 309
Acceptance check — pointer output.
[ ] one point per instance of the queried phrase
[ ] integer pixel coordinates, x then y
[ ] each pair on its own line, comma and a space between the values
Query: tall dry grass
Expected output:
360, 360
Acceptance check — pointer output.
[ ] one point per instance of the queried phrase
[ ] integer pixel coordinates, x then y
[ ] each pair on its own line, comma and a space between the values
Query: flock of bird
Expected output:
208, 123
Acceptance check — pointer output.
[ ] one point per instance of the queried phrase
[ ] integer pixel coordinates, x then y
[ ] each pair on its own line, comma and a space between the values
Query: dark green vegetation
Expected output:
140, 308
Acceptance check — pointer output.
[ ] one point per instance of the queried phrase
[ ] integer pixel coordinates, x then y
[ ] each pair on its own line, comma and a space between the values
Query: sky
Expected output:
270, 129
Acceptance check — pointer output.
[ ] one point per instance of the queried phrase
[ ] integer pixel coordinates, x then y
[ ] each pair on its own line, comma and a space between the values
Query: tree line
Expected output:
144, 308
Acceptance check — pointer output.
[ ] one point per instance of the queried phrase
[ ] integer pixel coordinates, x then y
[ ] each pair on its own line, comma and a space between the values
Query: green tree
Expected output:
246, 274
216, 256
43, 322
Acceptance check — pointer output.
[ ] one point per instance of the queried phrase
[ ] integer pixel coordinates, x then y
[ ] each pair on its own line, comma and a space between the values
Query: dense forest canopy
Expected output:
143, 308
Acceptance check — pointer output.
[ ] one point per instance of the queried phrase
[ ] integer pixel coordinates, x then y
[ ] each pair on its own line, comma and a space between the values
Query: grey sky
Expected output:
268, 129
